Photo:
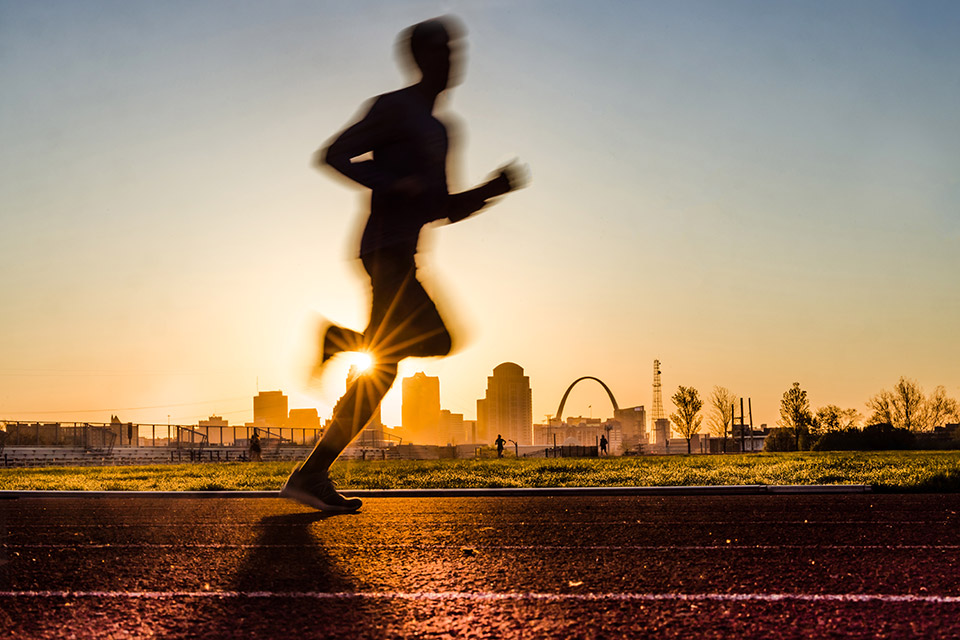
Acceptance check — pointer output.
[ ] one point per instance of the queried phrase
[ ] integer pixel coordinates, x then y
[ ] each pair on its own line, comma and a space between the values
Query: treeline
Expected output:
874, 437
902, 418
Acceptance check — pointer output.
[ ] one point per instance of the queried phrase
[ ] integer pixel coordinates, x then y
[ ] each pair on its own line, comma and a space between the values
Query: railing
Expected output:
194, 440
571, 451
377, 438
98, 439
128, 434
269, 439
83, 435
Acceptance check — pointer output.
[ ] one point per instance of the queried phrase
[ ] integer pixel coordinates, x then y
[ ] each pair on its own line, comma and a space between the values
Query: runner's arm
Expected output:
509, 178
466, 203
357, 140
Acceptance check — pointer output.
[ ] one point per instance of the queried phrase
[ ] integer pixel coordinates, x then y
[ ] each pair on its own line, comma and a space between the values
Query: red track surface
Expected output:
590, 567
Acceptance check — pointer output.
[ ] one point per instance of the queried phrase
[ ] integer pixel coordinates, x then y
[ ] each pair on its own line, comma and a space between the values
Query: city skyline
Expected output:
422, 410
755, 194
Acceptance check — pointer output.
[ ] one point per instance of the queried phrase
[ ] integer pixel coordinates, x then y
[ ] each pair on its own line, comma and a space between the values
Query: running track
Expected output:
763, 566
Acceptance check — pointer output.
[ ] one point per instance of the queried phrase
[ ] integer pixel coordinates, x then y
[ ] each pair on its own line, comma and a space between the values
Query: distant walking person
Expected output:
603, 445
398, 150
500, 442
255, 449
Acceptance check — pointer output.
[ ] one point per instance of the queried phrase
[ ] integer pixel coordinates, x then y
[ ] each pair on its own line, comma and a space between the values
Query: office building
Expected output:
507, 409
303, 419
452, 429
269, 409
420, 411
633, 423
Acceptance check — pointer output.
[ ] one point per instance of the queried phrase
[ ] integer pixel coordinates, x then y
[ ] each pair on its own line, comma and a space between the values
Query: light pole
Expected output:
516, 448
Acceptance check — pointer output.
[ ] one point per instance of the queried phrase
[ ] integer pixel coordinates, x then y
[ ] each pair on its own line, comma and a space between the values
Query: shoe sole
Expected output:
311, 500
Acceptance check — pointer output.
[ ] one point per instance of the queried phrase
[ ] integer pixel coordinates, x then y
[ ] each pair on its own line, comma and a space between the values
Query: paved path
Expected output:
519, 567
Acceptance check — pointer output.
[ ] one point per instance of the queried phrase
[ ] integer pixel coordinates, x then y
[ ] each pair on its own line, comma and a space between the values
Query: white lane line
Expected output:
501, 525
503, 596
716, 547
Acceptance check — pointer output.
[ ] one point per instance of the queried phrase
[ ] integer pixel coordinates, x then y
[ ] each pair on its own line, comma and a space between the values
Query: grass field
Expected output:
893, 471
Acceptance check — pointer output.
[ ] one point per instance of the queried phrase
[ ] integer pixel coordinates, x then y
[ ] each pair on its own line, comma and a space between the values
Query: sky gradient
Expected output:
755, 193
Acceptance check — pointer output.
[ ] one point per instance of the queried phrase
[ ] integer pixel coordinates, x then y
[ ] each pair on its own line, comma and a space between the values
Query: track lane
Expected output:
522, 567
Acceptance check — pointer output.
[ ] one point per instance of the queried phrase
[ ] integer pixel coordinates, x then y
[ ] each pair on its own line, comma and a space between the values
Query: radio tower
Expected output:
661, 425
657, 397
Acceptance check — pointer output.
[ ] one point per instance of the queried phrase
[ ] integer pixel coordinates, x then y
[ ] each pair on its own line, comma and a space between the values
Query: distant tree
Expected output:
904, 407
881, 408
687, 418
720, 419
908, 396
795, 412
832, 418
939, 408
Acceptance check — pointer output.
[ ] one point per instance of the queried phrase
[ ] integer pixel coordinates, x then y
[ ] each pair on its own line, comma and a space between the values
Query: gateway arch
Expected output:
563, 400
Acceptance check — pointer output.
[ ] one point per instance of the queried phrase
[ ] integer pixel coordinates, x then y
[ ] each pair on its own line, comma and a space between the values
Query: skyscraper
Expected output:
270, 409
507, 408
633, 421
452, 428
420, 412
373, 430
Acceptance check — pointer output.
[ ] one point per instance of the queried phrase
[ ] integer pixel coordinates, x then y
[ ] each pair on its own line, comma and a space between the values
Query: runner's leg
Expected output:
404, 321
354, 411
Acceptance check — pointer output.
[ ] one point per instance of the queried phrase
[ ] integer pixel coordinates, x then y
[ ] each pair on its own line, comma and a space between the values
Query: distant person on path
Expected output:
603, 445
255, 449
500, 442
398, 150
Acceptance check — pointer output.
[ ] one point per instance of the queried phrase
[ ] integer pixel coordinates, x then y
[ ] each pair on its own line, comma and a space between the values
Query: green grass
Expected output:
893, 471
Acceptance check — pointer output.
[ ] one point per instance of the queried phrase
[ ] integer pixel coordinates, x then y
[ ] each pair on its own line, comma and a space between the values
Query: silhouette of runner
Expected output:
407, 176
255, 448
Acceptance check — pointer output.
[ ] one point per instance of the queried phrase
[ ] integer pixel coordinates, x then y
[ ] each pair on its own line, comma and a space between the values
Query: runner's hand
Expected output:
517, 175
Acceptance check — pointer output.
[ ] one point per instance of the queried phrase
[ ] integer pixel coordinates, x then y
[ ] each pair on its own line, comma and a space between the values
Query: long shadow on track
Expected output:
302, 564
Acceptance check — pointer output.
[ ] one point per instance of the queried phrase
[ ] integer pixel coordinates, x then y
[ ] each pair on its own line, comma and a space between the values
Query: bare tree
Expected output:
833, 418
687, 417
795, 412
908, 396
904, 407
939, 408
881, 408
720, 419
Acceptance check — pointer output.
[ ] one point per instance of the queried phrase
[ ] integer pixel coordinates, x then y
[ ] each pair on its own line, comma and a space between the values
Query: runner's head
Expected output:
435, 46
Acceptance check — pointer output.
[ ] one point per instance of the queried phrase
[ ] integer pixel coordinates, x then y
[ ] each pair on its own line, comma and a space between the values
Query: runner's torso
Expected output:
412, 143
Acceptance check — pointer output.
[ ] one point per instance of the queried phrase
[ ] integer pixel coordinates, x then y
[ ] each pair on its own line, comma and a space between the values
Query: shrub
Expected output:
780, 440
876, 437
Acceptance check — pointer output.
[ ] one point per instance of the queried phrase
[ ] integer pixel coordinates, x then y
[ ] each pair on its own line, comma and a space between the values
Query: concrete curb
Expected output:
724, 490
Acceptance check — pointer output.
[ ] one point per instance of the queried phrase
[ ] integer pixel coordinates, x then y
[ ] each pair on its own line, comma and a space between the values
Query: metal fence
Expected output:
571, 451
105, 436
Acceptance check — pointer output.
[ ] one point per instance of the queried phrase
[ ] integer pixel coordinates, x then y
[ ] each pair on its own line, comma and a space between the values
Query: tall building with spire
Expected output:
507, 408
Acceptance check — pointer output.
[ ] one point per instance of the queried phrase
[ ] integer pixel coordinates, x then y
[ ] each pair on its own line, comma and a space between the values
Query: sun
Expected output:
362, 360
